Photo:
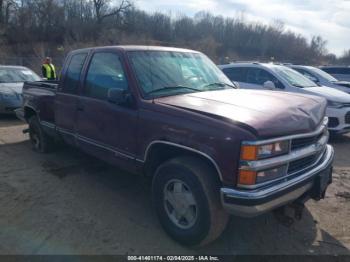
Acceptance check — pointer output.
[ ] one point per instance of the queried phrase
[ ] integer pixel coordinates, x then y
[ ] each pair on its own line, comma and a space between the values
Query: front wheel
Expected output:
187, 201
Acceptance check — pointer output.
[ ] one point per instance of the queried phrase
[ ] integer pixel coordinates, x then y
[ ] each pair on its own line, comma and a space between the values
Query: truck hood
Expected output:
11, 88
264, 113
328, 93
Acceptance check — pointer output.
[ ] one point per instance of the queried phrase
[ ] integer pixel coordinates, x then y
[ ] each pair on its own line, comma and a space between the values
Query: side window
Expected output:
235, 74
71, 82
105, 72
266, 76
345, 71
306, 74
329, 70
252, 76
258, 76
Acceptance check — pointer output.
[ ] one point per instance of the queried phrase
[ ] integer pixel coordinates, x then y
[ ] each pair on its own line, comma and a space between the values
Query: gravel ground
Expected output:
69, 203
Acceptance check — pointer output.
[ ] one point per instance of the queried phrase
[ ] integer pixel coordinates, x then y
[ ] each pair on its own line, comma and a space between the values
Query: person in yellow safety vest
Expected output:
48, 69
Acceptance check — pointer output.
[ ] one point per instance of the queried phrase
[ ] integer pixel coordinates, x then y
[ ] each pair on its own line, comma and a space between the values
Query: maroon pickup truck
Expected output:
211, 149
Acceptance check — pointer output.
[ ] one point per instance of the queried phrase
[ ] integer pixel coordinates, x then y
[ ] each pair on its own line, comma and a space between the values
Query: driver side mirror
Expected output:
118, 96
269, 85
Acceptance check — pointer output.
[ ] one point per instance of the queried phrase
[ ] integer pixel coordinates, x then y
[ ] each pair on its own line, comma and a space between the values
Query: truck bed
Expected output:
41, 84
40, 96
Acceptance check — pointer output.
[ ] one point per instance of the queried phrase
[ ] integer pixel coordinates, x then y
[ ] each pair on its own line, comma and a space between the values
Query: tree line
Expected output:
39, 28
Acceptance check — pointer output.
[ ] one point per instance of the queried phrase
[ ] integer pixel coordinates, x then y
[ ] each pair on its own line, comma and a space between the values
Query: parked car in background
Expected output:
279, 77
171, 114
342, 73
11, 83
321, 78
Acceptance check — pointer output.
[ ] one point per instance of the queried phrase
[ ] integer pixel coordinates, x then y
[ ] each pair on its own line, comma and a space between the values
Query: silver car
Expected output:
277, 77
321, 78
11, 83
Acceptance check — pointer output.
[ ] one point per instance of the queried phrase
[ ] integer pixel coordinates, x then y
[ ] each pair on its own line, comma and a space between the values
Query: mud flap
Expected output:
321, 183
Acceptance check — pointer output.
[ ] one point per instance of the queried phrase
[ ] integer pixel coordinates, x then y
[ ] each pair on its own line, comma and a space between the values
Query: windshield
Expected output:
165, 73
323, 74
17, 75
293, 77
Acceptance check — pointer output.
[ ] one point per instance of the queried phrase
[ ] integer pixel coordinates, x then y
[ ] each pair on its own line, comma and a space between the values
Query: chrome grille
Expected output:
303, 163
305, 141
347, 118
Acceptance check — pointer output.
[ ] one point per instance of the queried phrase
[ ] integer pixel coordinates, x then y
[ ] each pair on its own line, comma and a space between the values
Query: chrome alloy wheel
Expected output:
180, 204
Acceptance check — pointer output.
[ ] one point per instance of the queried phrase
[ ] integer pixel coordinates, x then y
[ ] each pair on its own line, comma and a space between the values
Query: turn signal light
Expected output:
249, 153
247, 177
255, 152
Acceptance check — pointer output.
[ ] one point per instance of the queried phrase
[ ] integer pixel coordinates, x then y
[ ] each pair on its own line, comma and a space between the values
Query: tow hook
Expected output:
25, 131
286, 220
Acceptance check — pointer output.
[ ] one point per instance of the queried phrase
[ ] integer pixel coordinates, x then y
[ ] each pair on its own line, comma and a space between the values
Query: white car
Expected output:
321, 78
278, 77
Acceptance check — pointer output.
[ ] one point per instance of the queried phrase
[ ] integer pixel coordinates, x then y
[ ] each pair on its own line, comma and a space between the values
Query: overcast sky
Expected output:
328, 18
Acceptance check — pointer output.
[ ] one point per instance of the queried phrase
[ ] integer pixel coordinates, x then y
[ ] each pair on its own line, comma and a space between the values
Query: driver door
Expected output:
105, 129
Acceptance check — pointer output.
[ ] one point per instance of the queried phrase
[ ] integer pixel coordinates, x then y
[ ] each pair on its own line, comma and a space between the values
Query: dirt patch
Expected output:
69, 203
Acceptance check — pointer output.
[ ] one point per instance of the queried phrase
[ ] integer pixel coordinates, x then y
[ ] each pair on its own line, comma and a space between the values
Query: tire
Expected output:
40, 141
190, 220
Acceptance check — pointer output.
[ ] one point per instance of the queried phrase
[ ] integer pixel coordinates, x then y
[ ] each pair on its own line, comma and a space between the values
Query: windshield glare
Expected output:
323, 74
293, 77
165, 73
17, 75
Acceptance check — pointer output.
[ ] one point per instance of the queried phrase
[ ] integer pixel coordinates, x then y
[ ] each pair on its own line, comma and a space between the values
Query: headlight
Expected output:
256, 152
334, 104
248, 177
259, 152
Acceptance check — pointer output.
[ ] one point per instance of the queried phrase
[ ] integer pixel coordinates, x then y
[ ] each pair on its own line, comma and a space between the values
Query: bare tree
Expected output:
5, 10
27, 26
103, 9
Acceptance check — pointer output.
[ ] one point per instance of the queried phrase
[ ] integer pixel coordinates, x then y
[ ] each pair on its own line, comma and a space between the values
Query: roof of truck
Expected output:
140, 48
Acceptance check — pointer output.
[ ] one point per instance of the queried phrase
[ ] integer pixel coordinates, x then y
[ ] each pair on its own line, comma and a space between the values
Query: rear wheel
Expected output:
187, 201
40, 141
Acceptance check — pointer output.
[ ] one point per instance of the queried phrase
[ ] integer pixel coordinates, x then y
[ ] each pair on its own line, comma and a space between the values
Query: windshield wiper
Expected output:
172, 88
218, 84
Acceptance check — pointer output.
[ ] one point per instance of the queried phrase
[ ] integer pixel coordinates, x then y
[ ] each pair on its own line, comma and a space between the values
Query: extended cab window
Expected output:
71, 82
105, 72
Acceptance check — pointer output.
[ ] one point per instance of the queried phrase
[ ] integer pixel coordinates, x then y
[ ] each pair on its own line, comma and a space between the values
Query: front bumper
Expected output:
342, 123
249, 203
